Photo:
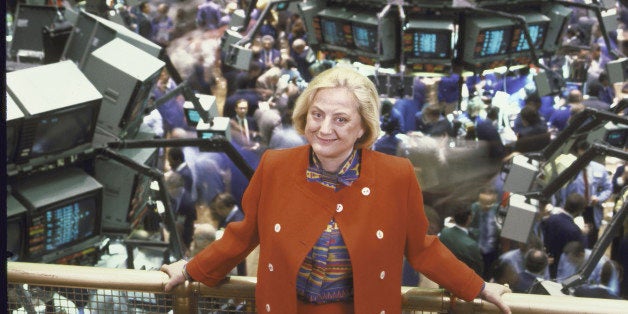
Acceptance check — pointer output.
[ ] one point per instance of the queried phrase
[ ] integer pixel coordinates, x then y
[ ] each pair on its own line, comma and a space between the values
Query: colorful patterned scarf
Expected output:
349, 172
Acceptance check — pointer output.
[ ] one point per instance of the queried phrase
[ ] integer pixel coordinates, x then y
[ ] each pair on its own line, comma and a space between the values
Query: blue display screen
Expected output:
334, 33
495, 42
62, 226
365, 38
537, 33
428, 43
193, 116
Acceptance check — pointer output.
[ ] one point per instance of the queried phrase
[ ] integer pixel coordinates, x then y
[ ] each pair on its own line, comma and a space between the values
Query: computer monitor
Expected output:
92, 32
64, 211
487, 39
559, 16
28, 25
126, 192
333, 28
428, 42
125, 75
16, 229
538, 24
208, 103
365, 37
60, 109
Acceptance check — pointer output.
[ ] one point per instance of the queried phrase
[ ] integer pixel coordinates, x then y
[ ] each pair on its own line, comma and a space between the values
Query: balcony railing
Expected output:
46, 288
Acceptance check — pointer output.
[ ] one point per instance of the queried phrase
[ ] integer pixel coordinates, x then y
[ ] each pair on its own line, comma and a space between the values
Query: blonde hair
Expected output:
357, 84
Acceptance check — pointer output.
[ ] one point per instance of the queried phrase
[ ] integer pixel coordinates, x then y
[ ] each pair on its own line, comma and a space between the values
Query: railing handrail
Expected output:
419, 299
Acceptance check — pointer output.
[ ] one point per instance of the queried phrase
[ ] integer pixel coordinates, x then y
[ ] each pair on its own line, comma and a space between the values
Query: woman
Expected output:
334, 218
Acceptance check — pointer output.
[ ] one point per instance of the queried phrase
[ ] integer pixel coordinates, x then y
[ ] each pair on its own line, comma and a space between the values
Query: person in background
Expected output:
559, 228
269, 56
144, 20
459, 241
607, 288
515, 257
243, 127
208, 15
336, 183
594, 184
535, 264
391, 125
163, 25
484, 227
431, 122
573, 258
304, 57
486, 130
559, 119
186, 208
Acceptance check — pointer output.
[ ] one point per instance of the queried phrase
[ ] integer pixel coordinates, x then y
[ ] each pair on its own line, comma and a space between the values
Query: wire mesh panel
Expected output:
212, 305
23, 298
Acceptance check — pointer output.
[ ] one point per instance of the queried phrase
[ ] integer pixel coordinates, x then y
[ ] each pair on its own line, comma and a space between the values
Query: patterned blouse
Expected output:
326, 274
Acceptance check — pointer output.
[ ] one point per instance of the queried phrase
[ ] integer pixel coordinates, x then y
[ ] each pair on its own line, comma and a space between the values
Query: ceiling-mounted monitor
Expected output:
486, 39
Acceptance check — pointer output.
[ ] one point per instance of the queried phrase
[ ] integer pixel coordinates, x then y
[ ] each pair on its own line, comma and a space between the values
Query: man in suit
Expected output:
535, 263
560, 228
243, 127
269, 56
594, 183
144, 20
459, 242
605, 289
186, 202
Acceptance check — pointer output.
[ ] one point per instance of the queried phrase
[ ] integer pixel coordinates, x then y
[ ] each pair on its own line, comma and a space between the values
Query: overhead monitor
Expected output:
28, 25
333, 28
428, 41
487, 39
126, 192
125, 75
92, 32
308, 11
60, 108
538, 24
559, 16
208, 103
64, 210
365, 33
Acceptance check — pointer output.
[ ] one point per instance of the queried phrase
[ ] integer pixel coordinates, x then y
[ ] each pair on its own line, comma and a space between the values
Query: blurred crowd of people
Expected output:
502, 110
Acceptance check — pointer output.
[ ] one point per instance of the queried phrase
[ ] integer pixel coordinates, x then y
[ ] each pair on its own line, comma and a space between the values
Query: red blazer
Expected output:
380, 216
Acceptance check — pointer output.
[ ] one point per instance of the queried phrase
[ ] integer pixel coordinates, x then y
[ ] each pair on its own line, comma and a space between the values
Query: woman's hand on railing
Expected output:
175, 272
493, 293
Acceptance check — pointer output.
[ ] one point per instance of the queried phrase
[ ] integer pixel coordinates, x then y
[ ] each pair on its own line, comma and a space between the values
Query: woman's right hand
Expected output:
175, 272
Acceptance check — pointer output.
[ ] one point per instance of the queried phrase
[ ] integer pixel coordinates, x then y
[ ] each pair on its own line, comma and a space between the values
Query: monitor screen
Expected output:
537, 34
427, 43
336, 32
62, 130
62, 225
617, 137
365, 37
192, 116
493, 42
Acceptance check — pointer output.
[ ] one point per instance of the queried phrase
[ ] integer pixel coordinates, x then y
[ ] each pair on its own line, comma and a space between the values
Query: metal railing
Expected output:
47, 288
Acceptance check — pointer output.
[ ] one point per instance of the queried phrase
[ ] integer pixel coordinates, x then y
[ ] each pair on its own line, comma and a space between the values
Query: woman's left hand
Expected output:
493, 293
